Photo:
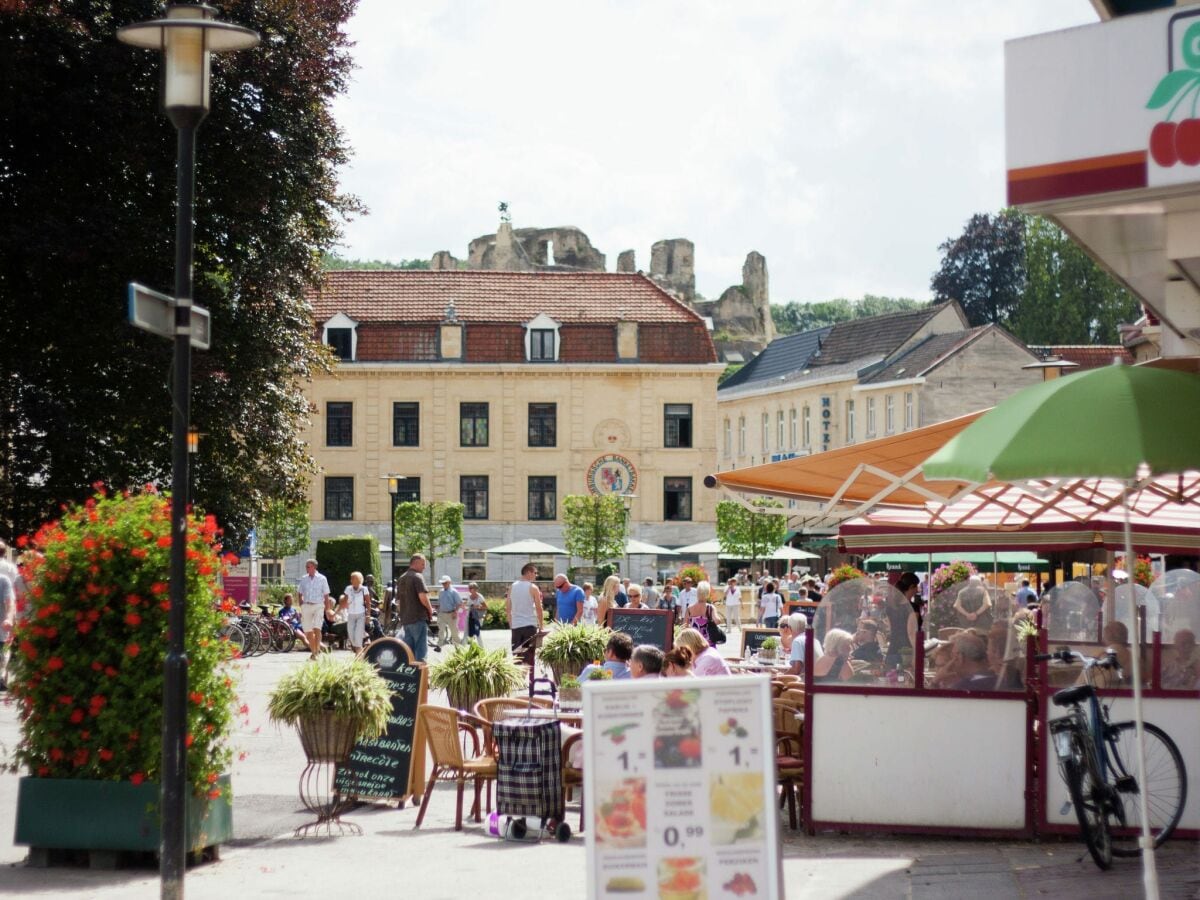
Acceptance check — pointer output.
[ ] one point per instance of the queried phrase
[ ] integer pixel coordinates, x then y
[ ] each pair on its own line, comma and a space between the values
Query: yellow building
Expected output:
506, 391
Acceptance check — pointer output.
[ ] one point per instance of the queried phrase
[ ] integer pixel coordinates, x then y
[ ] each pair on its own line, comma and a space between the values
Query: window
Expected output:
339, 498
473, 494
339, 424
541, 497
792, 429
728, 442
779, 442
908, 410
870, 417
677, 422
408, 490
677, 499
849, 421
889, 414
473, 425
741, 435
341, 341
766, 432
543, 425
541, 344
270, 572
474, 565
807, 427
406, 424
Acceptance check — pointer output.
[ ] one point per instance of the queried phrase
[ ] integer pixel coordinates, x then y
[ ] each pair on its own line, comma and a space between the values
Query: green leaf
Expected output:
1172, 83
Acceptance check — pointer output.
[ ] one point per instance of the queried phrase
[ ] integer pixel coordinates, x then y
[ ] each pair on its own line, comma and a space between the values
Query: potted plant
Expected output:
471, 674
568, 648
767, 648
570, 691
88, 678
600, 675
333, 702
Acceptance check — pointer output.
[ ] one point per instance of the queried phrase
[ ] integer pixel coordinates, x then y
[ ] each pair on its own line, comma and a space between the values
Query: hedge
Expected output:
338, 557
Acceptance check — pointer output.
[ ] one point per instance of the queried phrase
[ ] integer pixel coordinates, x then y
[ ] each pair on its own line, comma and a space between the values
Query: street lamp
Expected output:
394, 492
627, 503
187, 37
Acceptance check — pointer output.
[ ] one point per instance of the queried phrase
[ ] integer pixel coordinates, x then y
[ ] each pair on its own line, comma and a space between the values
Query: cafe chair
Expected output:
458, 742
789, 774
494, 709
572, 777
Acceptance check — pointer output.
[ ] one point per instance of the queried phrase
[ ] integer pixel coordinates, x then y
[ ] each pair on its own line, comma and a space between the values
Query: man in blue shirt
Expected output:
449, 602
570, 599
616, 657
1026, 594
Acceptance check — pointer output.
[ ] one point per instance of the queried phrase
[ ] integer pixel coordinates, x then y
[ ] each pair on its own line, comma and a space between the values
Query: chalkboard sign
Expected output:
808, 607
386, 766
752, 638
645, 626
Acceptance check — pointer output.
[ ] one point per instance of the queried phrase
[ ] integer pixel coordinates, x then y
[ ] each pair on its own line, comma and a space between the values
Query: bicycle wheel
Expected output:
1166, 785
234, 634
282, 636
264, 636
1088, 792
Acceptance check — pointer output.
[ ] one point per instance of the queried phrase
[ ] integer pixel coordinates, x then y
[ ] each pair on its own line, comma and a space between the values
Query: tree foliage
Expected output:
87, 204
282, 529
794, 317
984, 267
594, 526
750, 535
433, 528
333, 261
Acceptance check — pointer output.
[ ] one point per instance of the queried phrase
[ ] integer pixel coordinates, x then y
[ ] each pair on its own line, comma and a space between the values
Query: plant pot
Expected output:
559, 669
766, 654
570, 696
80, 814
327, 737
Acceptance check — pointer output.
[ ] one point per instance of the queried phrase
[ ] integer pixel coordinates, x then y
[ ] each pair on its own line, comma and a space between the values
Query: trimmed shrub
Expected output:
338, 557
495, 619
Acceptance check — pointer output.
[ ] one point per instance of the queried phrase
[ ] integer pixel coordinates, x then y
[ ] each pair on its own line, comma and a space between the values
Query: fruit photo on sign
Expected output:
681, 878
677, 731
1170, 141
621, 818
736, 804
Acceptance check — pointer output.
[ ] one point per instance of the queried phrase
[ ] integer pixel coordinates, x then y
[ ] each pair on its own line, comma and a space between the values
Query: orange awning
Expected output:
883, 471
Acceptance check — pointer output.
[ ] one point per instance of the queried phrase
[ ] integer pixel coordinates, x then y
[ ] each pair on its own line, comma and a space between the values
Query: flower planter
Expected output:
766, 654
77, 814
327, 737
570, 696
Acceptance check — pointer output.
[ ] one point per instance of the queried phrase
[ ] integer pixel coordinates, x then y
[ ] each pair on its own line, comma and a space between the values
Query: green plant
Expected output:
842, 574
348, 687
574, 646
434, 528
568, 682
272, 594
770, 643
695, 572
1026, 628
600, 675
88, 664
471, 674
338, 557
594, 526
747, 534
495, 618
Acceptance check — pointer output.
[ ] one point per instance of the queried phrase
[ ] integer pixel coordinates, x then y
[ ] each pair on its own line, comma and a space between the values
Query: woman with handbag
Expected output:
702, 617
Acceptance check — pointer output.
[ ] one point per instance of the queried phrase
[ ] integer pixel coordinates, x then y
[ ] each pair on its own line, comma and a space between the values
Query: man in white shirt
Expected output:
798, 625
314, 601
687, 596
523, 605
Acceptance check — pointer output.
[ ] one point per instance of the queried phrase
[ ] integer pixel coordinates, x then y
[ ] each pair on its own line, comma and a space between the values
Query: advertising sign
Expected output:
680, 780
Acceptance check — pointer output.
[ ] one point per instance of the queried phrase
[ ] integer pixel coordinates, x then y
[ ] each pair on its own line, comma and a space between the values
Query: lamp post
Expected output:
394, 492
627, 503
187, 38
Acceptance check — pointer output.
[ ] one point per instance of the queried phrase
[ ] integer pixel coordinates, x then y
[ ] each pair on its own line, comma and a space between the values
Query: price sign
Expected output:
680, 778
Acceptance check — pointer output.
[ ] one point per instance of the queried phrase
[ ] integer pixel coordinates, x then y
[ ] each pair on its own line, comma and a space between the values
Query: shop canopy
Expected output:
1000, 561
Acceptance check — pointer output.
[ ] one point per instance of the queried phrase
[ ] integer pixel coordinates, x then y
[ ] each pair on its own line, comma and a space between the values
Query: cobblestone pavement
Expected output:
264, 860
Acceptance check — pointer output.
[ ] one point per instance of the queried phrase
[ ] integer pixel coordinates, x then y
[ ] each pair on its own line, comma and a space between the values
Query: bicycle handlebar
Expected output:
1108, 660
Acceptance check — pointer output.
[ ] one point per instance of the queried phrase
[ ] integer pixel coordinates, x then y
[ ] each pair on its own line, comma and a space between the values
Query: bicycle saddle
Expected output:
1072, 695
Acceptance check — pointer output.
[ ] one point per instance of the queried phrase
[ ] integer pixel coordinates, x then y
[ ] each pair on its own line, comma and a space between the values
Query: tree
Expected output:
794, 317
87, 204
594, 526
1068, 298
746, 534
333, 261
433, 528
984, 268
282, 530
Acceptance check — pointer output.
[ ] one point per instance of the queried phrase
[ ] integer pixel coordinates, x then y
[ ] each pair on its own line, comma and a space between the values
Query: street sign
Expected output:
155, 312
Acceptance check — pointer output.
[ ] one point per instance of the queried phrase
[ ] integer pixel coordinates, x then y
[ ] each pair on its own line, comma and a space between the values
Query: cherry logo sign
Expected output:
1178, 141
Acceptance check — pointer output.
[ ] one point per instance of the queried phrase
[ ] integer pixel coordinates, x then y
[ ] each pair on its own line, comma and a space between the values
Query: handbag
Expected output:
715, 634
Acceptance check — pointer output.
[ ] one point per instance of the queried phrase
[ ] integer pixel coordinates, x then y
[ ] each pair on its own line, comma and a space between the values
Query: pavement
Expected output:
435, 862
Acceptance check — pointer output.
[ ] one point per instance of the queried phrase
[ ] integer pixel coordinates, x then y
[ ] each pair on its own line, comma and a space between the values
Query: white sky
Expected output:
843, 140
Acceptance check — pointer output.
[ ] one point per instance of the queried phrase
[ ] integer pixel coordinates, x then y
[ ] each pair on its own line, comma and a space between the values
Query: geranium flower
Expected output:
137, 778
132, 650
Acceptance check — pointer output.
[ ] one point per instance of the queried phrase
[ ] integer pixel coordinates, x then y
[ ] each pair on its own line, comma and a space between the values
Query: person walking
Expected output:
413, 610
523, 606
354, 601
569, 600
315, 601
590, 604
449, 602
476, 611
733, 604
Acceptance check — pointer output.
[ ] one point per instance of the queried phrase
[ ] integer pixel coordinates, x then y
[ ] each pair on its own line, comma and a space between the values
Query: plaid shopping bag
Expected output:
529, 763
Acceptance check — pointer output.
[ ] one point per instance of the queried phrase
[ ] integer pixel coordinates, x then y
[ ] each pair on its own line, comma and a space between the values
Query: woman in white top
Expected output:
353, 601
769, 604
733, 604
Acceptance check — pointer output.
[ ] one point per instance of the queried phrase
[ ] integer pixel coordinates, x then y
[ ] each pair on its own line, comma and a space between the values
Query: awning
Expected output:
1003, 561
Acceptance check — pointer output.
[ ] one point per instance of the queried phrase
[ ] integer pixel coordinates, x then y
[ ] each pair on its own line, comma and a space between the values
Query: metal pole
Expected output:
173, 847
388, 611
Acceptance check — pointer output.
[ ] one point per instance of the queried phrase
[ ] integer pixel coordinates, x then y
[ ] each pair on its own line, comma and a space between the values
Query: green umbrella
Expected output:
1102, 423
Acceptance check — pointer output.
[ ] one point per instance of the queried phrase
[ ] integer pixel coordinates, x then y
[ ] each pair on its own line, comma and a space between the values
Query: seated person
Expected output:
1005, 658
970, 659
798, 625
646, 662
834, 664
706, 660
677, 663
1181, 662
616, 657
1115, 636
939, 658
291, 615
866, 642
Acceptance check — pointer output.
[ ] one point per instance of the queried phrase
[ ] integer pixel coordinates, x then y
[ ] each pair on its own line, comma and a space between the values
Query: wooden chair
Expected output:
789, 766
494, 708
945, 634
792, 697
572, 777
449, 731
788, 679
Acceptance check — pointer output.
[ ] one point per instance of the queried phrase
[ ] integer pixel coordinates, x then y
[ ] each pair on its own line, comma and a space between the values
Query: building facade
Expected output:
506, 391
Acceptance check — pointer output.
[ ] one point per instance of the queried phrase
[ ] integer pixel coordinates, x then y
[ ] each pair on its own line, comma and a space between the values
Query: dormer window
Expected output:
341, 334
541, 339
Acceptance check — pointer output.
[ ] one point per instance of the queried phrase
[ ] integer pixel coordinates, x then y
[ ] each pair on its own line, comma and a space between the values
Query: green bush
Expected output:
338, 557
272, 594
495, 618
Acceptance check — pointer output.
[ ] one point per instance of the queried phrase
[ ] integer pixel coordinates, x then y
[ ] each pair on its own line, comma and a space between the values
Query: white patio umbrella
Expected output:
527, 547
634, 547
704, 548
790, 553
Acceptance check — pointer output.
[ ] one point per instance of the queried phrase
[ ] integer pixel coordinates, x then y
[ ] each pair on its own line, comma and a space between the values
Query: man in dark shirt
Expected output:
414, 611
866, 642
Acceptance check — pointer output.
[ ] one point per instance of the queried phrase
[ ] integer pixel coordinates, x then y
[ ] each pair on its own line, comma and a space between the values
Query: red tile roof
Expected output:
482, 296
1086, 356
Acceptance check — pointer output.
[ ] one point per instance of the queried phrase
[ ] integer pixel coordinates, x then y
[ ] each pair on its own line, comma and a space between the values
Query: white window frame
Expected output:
792, 433
766, 433
806, 428
908, 410
850, 422
741, 435
341, 320
870, 417
542, 322
779, 435
889, 414
728, 438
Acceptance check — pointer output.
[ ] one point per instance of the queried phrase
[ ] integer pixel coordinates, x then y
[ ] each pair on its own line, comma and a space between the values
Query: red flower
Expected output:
244, 709
93, 615
110, 672
76, 716
164, 541
54, 663
105, 754
66, 699
97, 701
214, 794
160, 587
29, 650
56, 754
84, 628
133, 599
95, 663
212, 777
23, 541
43, 771
89, 543
137, 778
189, 740
196, 697
138, 552
133, 650
133, 620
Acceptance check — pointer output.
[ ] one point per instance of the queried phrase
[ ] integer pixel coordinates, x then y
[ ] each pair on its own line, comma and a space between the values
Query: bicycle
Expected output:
1097, 760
